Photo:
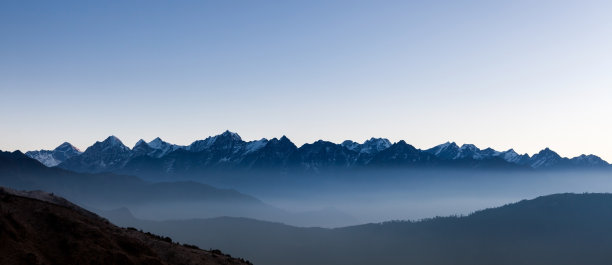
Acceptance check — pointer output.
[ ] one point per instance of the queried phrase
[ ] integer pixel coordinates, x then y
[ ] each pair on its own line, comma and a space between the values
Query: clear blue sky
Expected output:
522, 74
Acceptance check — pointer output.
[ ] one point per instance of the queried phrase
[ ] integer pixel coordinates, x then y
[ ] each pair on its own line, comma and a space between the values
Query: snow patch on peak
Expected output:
589, 160
233, 135
110, 143
44, 156
448, 150
56, 156
161, 148
253, 146
469, 147
444, 145
374, 145
350, 145
157, 143
510, 155
201, 145
545, 158
447, 145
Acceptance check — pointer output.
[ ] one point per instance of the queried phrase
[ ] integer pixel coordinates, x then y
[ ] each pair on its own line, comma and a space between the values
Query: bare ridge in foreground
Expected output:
40, 228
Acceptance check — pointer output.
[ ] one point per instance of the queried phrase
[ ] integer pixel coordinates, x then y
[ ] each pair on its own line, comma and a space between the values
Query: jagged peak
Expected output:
511, 152
284, 139
17, 152
140, 142
233, 135
401, 142
348, 142
351, 145
66, 145
436, 150
109, 141
157, 143
547, 151
447, 145
320, 141
590, 157
112, 140
469, 146
378, 141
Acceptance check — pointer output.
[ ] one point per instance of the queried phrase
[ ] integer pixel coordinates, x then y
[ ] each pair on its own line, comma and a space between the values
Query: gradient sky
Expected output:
503, 74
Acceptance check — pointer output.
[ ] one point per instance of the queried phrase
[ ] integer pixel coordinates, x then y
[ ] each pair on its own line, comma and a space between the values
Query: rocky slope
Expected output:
39, 228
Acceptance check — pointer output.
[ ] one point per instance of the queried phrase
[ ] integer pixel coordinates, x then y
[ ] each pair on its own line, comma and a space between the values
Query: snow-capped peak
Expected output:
56, 156
374, 145
545, 158
589, 160
510, 155
112, 140
226, 136
161, 148
448, 150
234, 136
110, 143
157, 143
350, 145
66, 146
448, 146
445, 145
469, 147
253, 146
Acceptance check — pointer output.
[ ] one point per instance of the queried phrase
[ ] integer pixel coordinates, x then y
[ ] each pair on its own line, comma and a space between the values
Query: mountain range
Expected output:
227, 151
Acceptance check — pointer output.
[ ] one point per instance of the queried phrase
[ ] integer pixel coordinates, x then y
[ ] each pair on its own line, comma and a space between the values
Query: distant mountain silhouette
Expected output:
555, 229
40, 228
228, 152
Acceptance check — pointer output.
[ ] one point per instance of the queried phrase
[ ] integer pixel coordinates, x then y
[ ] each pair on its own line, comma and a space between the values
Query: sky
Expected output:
503, 74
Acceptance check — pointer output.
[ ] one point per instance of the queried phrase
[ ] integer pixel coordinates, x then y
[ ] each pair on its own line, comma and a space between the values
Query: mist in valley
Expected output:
351, 198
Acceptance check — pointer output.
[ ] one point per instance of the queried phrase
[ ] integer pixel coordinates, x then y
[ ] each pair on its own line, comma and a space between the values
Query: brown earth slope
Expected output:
39, 228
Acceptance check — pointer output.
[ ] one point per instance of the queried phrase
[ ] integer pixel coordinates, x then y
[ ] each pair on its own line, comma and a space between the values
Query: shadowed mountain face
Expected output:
555, 229
228, 152
39, 228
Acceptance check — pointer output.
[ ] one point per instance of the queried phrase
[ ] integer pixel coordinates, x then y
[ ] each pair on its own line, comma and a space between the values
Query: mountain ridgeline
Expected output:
227, 152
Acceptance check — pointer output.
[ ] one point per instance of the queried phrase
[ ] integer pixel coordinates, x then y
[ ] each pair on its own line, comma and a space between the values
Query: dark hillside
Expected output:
39, 228
554, 229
